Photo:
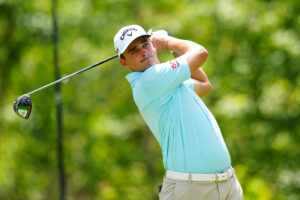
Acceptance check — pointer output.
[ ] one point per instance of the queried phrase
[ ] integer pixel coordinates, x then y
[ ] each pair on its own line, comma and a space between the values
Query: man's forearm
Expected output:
199, 75
202, 85
180, 47
194, 53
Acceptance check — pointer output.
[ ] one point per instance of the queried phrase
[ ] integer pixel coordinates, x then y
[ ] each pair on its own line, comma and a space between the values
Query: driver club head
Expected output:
23, 106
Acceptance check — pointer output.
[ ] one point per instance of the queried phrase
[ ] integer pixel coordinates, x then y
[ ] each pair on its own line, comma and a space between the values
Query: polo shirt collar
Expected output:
133, 76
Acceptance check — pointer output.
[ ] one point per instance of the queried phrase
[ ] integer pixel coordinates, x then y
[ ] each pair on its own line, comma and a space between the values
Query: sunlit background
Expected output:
109, 152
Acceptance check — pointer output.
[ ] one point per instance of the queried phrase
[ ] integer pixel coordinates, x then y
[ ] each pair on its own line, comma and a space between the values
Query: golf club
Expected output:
23, 105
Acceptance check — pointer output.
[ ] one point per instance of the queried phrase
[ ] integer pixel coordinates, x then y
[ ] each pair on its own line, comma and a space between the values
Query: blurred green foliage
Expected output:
110, 154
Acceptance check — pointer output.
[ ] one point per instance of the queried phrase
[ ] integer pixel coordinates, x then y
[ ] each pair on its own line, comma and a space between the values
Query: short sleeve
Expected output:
164, 78
189, 83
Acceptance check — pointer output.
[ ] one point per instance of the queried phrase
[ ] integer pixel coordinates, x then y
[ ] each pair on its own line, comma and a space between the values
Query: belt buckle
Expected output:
217, 178
222, 176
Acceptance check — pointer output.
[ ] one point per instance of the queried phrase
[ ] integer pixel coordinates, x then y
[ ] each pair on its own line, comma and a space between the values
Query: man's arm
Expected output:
202, 85
194, 53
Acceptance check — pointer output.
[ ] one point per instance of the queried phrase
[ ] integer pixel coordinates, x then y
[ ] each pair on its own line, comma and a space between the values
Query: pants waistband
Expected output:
215, 177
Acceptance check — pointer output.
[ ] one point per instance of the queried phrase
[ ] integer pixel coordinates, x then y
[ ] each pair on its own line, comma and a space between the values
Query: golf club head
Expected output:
23, 106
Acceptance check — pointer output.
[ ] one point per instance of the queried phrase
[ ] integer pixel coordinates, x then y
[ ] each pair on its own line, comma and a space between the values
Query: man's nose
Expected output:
143, 52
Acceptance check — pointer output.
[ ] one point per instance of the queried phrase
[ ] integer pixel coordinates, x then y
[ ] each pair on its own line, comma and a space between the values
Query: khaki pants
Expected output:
183, 190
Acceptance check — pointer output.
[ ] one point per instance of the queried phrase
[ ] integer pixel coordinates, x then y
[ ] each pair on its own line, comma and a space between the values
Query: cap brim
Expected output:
130, 41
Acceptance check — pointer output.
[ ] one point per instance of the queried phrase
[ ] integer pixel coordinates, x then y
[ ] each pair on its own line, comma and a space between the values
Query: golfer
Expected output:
168, 96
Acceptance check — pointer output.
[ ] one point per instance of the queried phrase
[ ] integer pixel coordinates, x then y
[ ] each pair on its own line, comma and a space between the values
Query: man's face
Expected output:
140, 55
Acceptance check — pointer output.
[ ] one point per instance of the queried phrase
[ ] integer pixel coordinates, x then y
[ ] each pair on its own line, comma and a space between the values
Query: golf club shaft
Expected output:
75, 73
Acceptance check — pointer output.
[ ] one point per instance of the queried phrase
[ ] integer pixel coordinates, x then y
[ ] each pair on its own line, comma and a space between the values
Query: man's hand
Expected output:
160, 39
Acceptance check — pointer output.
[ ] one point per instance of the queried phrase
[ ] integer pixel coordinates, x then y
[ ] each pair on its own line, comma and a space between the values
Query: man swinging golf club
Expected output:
168, 96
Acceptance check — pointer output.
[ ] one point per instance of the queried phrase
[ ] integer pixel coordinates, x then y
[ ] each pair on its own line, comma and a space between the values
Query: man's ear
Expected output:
124, 63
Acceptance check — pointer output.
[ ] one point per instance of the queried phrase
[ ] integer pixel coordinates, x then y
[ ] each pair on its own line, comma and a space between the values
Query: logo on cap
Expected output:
128, 34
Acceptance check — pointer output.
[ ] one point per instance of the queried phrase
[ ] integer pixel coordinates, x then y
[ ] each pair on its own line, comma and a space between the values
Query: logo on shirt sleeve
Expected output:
174, 64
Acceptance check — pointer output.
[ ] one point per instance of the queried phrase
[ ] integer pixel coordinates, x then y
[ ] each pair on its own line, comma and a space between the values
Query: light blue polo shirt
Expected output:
188, 134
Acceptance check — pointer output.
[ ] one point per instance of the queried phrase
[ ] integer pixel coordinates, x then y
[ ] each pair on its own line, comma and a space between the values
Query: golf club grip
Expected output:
73, 74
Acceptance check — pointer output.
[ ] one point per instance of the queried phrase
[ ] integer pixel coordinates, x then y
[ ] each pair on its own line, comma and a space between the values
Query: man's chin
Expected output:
150, 64
147, 64
142, 69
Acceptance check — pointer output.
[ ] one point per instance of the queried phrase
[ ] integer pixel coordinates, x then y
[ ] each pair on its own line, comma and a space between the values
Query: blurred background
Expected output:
109, 152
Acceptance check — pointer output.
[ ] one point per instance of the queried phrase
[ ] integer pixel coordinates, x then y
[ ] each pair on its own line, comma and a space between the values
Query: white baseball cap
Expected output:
126, 35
